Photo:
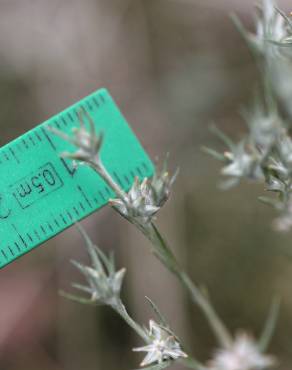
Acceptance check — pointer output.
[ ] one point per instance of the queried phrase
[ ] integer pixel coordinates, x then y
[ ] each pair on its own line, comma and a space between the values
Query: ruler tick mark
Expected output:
29, 237
76, 211
102, 98
139, 171
84, 196
70, 117
6, 156
95, 102
127, 179
63, 219
31, 140
82, 206
11, 251
63, 120
37, 136
24, 143
48, 139
13, 154
101, 194
43, 230
19, 235
69, 215
118, 178
37, 234
56, 223
3, 253
17, 246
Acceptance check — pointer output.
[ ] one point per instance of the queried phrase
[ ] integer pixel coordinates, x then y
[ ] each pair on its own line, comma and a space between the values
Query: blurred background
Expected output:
174, 67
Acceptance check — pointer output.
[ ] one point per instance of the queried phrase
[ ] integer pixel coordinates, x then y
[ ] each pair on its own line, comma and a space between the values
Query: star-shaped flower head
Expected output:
244, 354
104, 282
164, 346
145, 198
87, 141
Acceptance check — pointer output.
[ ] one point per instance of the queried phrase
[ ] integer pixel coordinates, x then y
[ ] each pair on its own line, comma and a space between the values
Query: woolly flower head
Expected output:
145, 198
164, 346
243, 354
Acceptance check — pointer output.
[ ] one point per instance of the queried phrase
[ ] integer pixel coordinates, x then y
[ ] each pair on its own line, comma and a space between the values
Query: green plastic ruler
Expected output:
42, 194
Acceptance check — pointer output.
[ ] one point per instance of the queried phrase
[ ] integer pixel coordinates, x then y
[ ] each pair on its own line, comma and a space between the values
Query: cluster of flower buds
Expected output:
104, 282
145, 198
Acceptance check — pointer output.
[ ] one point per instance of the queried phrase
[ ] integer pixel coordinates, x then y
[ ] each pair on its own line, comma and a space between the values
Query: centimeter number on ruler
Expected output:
41, 194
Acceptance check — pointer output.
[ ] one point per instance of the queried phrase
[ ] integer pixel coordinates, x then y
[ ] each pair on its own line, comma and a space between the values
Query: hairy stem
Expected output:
121, 310
164, 253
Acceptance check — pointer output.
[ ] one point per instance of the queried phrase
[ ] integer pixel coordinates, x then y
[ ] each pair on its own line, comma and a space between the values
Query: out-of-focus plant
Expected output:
140, 206
265, 151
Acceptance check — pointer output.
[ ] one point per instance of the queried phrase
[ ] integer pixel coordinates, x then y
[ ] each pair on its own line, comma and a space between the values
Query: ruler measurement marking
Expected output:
19, 235
29, 237
117, 177
13, 154
57, 124
139, 171
43, 230
63, 120
25, 143
76, 211
6, 156
63, 219
69, 215
107, 190
101, 194
56, 223
96, 102
48, 139
11, 251
37, 135
17, 246
84, 195
4, 254
127, 179
50, 227
31, 140
70, 117
82, 206
37, 234
89, 105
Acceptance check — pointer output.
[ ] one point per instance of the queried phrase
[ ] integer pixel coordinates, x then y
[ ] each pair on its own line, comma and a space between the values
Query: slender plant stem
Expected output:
121, 310
170, 262
98, 166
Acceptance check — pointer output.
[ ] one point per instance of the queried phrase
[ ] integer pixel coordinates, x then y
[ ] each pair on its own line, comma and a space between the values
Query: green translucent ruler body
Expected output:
42, 194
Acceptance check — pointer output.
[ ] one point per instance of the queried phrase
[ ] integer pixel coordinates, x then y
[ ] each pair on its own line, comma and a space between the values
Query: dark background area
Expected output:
173, 66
